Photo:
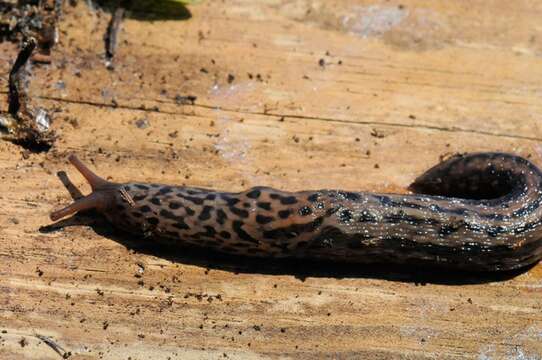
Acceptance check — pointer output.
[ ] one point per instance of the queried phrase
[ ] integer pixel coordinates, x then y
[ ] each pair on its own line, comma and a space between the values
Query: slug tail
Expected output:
474, 176
96, 182
92, 201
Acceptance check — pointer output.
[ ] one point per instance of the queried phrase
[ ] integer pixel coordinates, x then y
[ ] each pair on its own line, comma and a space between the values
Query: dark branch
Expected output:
111, 36
17, 88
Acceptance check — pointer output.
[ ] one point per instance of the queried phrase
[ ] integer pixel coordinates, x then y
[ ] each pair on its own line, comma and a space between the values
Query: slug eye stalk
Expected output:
97, 199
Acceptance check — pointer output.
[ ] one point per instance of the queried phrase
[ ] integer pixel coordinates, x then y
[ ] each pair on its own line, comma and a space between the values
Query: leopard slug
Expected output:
475, 212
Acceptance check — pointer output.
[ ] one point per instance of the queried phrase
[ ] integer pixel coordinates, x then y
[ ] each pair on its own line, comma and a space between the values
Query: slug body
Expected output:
476, 212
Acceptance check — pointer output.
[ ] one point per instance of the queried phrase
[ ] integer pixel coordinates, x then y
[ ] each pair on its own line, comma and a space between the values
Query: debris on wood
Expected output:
27, 18
185, 100
111, 37
53, 345
25, 124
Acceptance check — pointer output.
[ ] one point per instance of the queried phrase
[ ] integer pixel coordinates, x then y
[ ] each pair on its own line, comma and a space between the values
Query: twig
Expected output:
53, 345
17, 88
58, 8
37, 19
111, 36
26, 125
126, 196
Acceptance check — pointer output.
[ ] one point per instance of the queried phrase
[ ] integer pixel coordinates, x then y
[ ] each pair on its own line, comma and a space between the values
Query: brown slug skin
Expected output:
477, 212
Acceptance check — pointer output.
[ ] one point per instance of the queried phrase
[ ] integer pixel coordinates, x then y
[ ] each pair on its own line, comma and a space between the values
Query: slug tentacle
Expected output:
479, 212
93, 201
94, 180
99, 199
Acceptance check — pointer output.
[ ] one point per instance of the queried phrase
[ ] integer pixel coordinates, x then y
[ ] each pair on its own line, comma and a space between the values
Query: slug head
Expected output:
101, 198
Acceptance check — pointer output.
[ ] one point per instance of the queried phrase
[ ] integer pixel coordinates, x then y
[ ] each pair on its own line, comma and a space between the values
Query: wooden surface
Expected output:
360, 95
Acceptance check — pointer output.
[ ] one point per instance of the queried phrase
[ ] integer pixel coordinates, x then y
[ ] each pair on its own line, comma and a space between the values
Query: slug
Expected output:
474, 212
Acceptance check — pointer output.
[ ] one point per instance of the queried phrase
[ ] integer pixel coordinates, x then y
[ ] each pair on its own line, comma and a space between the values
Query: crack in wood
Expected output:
300, 117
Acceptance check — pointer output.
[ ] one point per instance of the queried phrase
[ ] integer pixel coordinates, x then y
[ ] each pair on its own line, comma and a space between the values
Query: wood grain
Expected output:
361, 95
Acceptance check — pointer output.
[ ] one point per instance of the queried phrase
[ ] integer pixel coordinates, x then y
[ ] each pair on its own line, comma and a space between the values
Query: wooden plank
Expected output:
432, 78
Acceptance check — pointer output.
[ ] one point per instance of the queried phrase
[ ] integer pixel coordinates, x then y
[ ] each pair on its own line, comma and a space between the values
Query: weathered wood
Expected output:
398, 87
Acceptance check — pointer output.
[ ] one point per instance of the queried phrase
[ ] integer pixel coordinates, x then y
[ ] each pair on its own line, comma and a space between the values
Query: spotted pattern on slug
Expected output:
474, 212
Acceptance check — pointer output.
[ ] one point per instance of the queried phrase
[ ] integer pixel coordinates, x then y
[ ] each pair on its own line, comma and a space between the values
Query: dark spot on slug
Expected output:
175, 205
229, 200
399, 217
225, 234
221, 216
239, 212
385, 201
528, 209
427, 221
153, 221
412, 205
495, 231
180, 224
205, 213
527, 227
209, 232
169, 215
345, 215
243, 235
304, 211
313, 197
449, 229
156, 201
139, 197
262, 219
283, 214
402, 217
246, 205
326, 237
164, 190
141, 186
474, 227
254, 194
284, 200
210, 197
145, 209
289, 200
292, 231
195, 200
347, 195
193, 191
264, 205
367, 216
189, 211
